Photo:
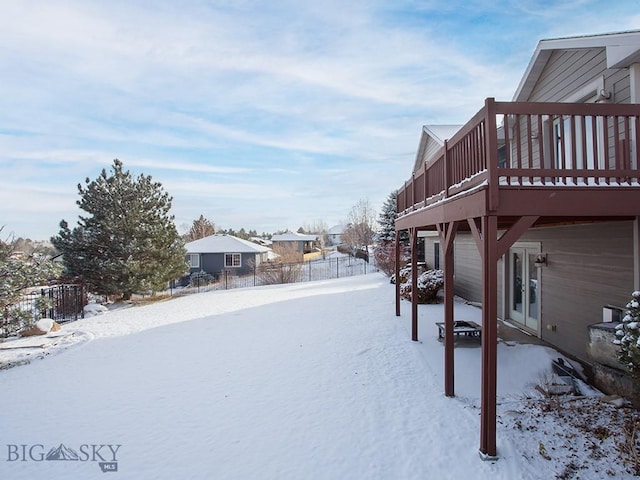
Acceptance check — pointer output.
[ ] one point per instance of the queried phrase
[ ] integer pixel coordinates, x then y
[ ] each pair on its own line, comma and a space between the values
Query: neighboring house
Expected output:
536, 206
218, 253
297, 242
432, 140
335, 234
261, 241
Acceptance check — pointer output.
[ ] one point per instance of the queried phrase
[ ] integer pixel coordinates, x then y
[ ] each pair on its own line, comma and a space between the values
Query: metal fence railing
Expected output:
62, 303
283, 273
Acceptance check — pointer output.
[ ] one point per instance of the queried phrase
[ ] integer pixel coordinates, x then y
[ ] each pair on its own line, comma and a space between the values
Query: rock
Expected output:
42, 327
615, 400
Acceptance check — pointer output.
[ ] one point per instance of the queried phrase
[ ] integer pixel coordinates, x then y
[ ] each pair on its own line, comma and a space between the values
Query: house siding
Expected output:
589, 266
467, 268
213, 263
431, 149
567, 71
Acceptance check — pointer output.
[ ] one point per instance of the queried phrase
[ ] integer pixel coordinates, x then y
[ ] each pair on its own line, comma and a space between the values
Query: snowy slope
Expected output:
316, 380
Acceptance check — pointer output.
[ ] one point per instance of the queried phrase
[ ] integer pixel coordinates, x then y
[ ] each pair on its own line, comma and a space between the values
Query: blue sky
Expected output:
264, 115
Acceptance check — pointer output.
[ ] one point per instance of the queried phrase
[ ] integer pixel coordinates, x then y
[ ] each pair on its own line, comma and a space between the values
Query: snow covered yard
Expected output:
315, 380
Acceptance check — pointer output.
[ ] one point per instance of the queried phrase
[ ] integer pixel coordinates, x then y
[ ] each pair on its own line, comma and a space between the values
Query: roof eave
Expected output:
622, 49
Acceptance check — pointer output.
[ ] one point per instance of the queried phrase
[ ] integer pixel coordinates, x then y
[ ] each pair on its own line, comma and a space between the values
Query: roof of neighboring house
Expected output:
293, 237
622, 49
261, 241
435, 133
223, 244
336, 230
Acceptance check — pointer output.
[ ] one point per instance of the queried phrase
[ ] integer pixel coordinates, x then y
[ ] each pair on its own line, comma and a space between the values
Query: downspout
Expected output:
634, 80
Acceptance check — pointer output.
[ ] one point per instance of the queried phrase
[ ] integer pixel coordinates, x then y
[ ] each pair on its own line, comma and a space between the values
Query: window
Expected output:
232, 260
194, 260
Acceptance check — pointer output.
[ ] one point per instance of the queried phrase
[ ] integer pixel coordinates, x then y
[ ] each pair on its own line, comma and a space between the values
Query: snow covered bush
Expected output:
430, 282
628, 333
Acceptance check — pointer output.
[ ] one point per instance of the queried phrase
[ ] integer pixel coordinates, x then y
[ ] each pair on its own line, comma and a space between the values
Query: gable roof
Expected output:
433, 133
336, 230
293, 237
223, 244
622, 49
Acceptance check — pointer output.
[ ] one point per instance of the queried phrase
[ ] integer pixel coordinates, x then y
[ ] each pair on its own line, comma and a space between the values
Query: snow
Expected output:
315, 380
93, 309
44, 324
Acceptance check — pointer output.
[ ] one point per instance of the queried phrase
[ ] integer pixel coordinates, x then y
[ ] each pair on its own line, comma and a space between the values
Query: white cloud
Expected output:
241, 95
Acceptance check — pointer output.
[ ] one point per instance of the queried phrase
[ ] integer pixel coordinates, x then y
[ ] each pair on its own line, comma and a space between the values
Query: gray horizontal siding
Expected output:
568, 71
589, 266
431, 149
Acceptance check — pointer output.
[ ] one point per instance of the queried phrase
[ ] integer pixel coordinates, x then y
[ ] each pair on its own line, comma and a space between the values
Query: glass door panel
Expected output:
524, 287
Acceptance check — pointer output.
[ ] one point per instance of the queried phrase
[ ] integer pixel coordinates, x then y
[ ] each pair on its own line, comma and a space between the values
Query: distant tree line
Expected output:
126, 241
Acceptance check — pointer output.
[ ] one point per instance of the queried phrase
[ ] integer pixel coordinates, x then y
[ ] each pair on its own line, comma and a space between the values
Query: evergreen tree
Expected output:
202, 227
242, 234
387, 219
128, 243
19, 271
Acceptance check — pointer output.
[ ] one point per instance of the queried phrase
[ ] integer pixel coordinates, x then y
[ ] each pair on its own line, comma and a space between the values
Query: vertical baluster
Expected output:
606, 164
596, 149
507, 146
541, 157
528, 135
517, 139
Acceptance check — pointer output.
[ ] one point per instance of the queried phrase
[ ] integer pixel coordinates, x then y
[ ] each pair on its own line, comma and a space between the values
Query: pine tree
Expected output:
128, 243
387, 219
202, 227
19, 271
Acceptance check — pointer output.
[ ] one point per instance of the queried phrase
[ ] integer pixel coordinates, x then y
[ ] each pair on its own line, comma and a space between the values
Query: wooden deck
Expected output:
583, 153
512, 167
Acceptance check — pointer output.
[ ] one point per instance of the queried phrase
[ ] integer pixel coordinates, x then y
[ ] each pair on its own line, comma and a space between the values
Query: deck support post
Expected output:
489, 336
413, 234
447, 233
397, 271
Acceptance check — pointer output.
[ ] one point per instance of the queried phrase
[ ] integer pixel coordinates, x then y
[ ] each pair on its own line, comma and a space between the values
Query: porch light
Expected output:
603, 96
541, 260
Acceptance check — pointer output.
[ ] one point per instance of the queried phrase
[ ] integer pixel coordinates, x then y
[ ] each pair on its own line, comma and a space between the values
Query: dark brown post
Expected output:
491, 132
447, 236
445, 166
489, 337
414, 283
426, 184
397, 272
413, 191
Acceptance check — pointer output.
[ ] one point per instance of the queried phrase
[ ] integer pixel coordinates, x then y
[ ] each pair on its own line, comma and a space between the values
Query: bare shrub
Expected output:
287, 268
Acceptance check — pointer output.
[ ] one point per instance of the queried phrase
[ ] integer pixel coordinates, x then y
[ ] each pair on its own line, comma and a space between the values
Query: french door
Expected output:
524, 286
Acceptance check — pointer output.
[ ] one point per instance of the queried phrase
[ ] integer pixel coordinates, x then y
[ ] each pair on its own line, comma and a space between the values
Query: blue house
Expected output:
218, 253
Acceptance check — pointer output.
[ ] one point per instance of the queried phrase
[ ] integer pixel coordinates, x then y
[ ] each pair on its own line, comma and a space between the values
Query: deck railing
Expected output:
531, 145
